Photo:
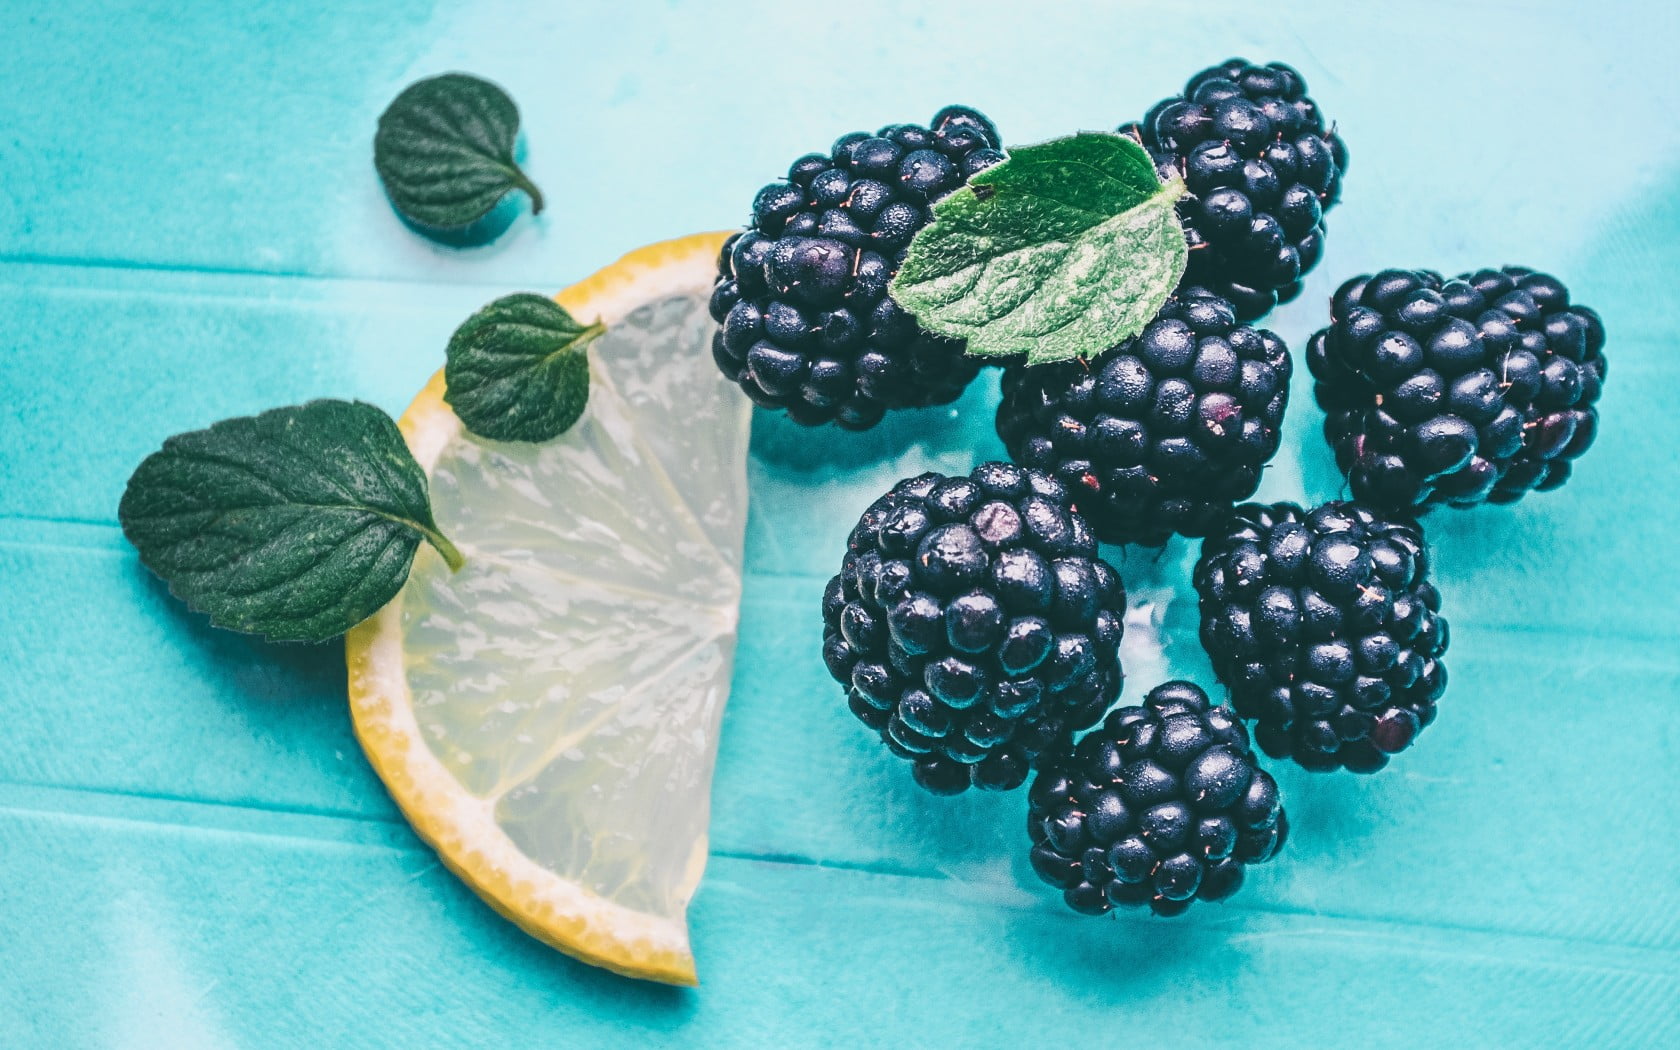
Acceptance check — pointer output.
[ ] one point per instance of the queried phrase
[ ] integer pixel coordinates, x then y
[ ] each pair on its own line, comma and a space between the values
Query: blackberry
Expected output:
973, 624
1161, 434
1164, 804
1462, 392
1261, 169
805, 321
1326, 629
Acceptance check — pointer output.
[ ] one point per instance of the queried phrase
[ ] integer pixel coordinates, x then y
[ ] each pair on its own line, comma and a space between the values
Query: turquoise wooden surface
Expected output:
193, 852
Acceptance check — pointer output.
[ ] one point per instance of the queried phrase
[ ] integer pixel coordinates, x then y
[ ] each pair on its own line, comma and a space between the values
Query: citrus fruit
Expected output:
546, 717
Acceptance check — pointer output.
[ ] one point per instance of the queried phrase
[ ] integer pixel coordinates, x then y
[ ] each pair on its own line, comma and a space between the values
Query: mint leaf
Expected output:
444, 151
297, 524
1061, 251
518, 370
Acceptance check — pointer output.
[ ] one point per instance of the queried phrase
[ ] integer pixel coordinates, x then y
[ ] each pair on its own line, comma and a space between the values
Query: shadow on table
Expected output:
1115, 953
490, 937
279, 674
481, 234
965, 425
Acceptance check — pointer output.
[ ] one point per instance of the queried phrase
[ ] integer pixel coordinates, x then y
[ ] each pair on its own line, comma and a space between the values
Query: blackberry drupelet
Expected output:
1161, 434
1462, 392
1261, 169
973, 624
1326, 629
1163, 805
805, 321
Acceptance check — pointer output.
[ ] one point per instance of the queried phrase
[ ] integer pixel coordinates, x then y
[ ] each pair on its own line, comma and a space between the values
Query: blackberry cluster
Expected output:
1161, 434
1464, 391
1326, 629
1261, 169
805, 321
1162, 805
973, 624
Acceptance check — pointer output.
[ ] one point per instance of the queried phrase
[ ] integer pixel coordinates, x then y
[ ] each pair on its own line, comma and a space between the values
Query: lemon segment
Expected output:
546, 717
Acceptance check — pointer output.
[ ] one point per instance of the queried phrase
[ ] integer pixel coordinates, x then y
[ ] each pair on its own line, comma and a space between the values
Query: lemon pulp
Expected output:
547, 716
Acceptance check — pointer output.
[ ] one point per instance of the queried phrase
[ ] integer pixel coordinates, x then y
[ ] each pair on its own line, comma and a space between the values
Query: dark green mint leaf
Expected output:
444, 150
518, 370
297, 524
1061, 251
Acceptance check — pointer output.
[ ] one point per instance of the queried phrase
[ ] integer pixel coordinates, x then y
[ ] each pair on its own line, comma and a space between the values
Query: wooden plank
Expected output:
239, 138
297, 939
182, 351
145, 699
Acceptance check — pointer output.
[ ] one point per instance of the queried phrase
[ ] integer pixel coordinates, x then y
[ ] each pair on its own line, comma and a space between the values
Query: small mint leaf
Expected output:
444, 151
1063, 250
297, 524
518, 370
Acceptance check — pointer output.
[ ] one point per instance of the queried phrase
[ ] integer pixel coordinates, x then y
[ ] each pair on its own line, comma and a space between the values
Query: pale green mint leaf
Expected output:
444, 151
518, 370
1063, 250
296, 524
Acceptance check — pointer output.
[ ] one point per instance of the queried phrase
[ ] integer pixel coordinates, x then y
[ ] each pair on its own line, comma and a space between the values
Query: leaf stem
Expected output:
451, 554
589, 335
524, 182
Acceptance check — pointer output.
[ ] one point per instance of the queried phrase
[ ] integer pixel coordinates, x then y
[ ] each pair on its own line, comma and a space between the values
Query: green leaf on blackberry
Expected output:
297, 524
444, 151
518, 370
1061, 251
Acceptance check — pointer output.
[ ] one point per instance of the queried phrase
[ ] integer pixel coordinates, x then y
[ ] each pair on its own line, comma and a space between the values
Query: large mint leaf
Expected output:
1061, 251
296, 524
444, 151
518, 370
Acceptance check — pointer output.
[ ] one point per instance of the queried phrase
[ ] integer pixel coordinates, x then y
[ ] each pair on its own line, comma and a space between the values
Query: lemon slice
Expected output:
547, 716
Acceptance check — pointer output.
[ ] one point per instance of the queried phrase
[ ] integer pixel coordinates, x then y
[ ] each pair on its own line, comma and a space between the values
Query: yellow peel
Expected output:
439, 780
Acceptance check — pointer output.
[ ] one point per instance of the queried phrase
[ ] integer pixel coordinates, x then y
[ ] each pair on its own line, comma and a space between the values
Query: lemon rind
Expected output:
459, 826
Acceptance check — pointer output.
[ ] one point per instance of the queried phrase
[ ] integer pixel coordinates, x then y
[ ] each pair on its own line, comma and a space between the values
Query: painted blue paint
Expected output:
193, 852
